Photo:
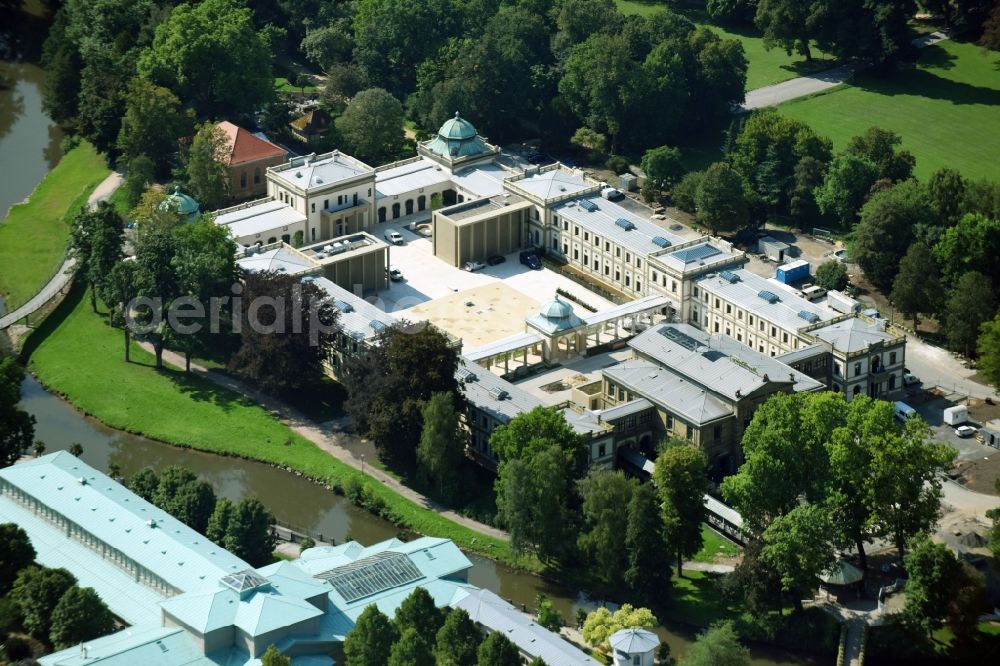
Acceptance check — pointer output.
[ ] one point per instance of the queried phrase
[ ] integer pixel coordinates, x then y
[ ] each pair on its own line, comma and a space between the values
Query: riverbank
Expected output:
34, 236
78, 356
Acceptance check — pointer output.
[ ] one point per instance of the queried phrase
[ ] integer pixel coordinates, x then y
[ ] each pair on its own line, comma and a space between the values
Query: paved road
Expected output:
968, 501
328, 441
937, 367
808, 85
64, 275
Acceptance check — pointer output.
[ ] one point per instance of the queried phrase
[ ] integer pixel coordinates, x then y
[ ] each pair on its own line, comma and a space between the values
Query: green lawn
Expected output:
33, 238
947, 109
284, 85
715, 544
696, 600
764, 67
76, 354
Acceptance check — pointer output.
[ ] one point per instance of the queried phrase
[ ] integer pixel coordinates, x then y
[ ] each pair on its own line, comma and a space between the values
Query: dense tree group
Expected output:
17, 427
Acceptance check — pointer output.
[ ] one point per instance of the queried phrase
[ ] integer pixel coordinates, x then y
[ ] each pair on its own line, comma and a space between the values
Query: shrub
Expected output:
617, 164
685, 192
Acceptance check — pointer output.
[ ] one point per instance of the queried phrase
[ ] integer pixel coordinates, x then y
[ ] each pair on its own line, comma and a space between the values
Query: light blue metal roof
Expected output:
457, 138
149, 646
116, 516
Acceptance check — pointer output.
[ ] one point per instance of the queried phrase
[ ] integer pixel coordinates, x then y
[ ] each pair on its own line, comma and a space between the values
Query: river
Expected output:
293, 499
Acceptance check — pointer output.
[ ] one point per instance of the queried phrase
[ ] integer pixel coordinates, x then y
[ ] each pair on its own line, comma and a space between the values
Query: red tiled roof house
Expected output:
247, 158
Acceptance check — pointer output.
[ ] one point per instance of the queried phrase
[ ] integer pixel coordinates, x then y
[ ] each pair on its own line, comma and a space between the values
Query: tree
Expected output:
211, 56
681, 478
38, 448
885, 230
718, 646
457, 640
946, 189
548, 616
412, 649
152, 124
529, 432
932, 571
831, 275
287, 328
272, 657
731, 11
206, 170
905, 481
988, 348
372, 126
721, 199
192, 504
648, 572
663, 166
594, 143
533, 496
76, 449
808, 176
603, 494
878, 146
845, 187
218, 522
798, 546
753, 583
497, 650
144, 483
971, 304
785, 25
96, 245
36, 592
343, 81
972, 244
17, 427
917, 287
990, 39
141, 172
369, 643
16, 553
685, 193
602, 623
388, 387
80, 615
419, 613
249, 535
442, 443
328, 45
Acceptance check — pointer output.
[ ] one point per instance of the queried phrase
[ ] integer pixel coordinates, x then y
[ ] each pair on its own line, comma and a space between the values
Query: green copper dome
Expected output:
457, 138
182, 203
556, 309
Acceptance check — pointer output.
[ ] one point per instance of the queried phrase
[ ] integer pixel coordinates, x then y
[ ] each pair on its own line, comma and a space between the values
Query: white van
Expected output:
903, 411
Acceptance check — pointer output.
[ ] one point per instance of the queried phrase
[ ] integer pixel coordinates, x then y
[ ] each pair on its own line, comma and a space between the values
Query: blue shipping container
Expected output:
794, 271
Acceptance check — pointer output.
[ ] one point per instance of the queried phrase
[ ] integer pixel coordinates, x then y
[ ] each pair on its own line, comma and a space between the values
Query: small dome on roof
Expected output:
556, 309
634, 641
181, 202
457, 128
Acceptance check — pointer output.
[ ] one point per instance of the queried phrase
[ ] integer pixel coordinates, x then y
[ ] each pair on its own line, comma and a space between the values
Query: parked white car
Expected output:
965, 431
909, 379
394, 237
395, 274
473, 266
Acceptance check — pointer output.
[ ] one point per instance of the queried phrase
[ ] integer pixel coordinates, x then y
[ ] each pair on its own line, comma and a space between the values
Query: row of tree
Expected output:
821, 474
243, 528
49, 604
17, 427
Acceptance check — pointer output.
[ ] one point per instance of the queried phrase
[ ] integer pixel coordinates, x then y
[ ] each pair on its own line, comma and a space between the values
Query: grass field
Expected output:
284, 85
764, 67
77, 355
33, 237
947, 109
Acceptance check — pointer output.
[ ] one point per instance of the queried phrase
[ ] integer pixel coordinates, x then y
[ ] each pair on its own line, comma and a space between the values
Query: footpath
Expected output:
327, 440
64, 276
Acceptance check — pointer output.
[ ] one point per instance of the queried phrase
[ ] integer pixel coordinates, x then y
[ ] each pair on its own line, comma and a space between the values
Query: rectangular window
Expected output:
638, 285
739, 314
597, 242
673, 288
638, 262
607, 246
618, 275
717, 303
565, 225
313, 205
670, 421
628, 280
628, 257
326, 203
750, 319
565, 249
654, 276
892, 358
857, 369
602, 450
784, 338
576, 230
607, 269
340, 199
690, 431
695, 292
618, 252
586, 236
576, 254
729, 308
774, 331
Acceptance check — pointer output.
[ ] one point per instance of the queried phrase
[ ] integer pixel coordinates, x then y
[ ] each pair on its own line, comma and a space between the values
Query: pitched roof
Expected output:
852, 335
634, 641
244, 146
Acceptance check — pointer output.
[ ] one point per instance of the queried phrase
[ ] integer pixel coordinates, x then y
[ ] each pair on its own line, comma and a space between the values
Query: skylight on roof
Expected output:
371, 575
343, 306
768, 296
661, 241
679, 337
696, 253
625, 224
588, 205
466, 375
376, 325
810, 317
499, 393
244, 581
729, 276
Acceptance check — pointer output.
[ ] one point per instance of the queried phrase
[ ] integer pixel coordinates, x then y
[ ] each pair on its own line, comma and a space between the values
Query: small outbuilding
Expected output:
183, 204
634, 647
773, 249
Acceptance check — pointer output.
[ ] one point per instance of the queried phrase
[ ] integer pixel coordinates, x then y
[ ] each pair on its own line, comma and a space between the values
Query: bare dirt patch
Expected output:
480, 315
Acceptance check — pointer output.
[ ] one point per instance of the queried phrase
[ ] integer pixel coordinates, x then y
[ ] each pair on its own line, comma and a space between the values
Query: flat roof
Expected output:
717, 362
335, 249
643, 304
281, 259
357, 317
409, 176
585, 422
258, 217
675, 394
483, 180
313, 172
854, 334
745, 292
492, 394
552, 182
471, 211
602, 220
501, 346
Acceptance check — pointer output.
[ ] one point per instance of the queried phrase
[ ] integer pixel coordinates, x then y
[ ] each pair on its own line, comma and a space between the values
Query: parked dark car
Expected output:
531, 260
495, 260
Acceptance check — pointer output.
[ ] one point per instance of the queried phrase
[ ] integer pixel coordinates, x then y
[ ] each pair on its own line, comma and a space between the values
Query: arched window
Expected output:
272, 239
395, 210
409, 206
421, 202
381, 214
